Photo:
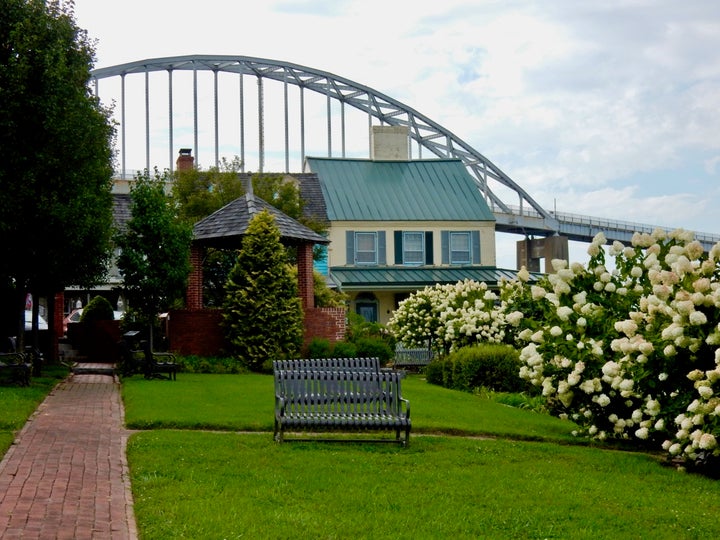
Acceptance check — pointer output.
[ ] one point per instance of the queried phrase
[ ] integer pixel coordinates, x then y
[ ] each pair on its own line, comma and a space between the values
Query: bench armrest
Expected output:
407, 406
279, 405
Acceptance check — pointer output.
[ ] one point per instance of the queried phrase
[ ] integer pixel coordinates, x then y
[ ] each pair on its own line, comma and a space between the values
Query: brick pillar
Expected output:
193, 295
305, 275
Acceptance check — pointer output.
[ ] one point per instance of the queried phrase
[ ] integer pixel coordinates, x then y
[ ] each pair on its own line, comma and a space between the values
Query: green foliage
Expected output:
319, 348
98, 309
216, 268
374, 347
203, 364
262, 311
494, 367
56, 169
280, 191
324, 295
200, 193
344, 349
155, 248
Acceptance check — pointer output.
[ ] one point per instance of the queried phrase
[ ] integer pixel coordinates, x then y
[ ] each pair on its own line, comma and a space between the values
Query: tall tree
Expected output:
56, 168
154, 256
263, 314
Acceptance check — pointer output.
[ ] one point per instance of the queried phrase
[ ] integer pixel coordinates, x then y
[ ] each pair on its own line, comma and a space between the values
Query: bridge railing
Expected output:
607, 224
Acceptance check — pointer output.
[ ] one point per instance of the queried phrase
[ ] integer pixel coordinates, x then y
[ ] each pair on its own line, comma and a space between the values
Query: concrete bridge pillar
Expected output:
531, 250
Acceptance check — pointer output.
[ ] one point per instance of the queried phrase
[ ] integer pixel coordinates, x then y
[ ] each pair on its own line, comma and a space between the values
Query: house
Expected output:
397, 225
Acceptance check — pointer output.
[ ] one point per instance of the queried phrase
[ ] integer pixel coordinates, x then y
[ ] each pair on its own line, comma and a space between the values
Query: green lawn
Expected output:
17, 403
246, 403
526, 482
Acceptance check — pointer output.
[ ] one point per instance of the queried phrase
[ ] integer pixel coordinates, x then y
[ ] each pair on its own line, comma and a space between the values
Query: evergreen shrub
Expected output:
344, 349
98, 309
495, 367
374, 347
319, 348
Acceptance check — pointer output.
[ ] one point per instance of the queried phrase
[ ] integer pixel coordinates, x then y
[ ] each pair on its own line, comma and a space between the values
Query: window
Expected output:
365, 248
460, 248
413, 247
366, 305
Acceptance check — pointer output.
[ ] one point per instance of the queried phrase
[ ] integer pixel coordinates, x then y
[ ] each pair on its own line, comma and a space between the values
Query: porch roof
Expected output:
413, 278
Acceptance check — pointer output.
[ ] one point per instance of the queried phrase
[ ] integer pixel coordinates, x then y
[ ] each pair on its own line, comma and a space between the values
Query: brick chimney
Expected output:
185, 160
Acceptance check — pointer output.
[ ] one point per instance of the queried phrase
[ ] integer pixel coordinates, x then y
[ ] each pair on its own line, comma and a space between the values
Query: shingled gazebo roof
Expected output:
226, 227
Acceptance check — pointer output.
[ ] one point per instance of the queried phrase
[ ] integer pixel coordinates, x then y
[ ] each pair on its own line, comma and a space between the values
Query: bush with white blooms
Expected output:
630, 353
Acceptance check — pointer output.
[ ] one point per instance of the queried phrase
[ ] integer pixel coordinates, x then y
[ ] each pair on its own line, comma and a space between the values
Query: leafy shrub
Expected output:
319, 348
199, 364
495, 367
98, 309
435, 372
344, 349
373, 347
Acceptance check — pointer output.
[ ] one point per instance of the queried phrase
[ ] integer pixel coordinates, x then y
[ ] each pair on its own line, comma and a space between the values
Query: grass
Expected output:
210, 485
245, 403
17, 403
527, 481
514, 475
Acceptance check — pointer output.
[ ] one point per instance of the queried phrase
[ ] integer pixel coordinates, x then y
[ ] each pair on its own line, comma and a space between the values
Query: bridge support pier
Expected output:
531, 250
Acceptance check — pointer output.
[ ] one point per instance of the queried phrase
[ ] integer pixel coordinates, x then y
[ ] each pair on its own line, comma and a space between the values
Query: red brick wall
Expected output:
328, 323
199, 332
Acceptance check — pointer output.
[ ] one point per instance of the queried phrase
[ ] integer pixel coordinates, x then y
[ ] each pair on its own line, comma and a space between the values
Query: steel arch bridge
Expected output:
515, 210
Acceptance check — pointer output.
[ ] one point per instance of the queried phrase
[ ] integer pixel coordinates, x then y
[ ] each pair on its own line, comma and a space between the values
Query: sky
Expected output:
604, 108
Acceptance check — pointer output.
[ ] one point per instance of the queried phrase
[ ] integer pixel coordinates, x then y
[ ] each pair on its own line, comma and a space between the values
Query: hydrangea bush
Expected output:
632, 353
449, 317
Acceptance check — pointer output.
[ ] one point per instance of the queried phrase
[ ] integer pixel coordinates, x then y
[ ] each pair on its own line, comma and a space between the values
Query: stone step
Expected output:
87, 368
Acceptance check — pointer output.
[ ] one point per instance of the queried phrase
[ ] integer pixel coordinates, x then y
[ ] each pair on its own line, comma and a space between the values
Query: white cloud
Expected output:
583, 103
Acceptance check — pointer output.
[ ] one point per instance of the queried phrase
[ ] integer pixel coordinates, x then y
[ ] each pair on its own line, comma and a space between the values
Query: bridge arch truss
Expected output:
515, 210
428, 135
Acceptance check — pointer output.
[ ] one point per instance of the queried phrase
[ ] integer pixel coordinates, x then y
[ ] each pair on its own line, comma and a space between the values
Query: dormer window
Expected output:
366, 248
413, 247
460, 248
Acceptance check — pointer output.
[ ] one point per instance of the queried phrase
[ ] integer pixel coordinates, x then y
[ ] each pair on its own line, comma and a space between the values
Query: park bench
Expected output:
152, 364
315, 400
17, 367
411, 358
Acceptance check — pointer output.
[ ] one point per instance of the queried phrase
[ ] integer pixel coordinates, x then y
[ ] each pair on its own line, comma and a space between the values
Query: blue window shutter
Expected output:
398, 247
350, 247
445, 245
428, 247
321, 265
382, 259
475, 236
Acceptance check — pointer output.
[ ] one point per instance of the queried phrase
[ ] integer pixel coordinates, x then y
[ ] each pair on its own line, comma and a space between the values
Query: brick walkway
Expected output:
66, 476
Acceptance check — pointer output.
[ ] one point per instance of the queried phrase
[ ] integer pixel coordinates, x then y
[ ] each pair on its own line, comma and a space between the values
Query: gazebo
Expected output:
196, 330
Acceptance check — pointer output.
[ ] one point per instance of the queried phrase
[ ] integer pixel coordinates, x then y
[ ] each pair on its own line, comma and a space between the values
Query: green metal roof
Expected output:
406, 278
418, 190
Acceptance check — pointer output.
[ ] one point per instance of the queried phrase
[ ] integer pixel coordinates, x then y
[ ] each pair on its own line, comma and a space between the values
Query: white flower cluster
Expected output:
450, 316
659, 313
615, 351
